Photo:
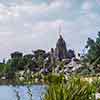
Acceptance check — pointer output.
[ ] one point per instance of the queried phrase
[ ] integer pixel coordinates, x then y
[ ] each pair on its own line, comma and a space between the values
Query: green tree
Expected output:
93, 46
16, 61
40, 56
4, 68
28, 61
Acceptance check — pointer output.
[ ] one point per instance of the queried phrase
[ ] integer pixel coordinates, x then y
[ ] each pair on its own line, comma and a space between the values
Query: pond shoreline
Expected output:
39, 82
14, 83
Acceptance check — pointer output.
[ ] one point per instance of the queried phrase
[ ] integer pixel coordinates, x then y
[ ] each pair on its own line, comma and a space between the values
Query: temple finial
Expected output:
60, 30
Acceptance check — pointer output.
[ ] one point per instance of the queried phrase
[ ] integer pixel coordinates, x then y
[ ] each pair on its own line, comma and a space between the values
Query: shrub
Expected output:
74, 89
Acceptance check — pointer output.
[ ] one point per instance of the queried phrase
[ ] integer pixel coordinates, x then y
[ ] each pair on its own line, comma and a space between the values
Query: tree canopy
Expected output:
93, 46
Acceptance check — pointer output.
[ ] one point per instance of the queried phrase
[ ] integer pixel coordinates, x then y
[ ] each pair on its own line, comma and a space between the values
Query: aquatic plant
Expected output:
17, 94
74, 89
29, 93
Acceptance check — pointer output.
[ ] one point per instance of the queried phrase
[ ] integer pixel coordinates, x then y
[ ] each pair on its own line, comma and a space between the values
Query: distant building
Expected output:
61, 50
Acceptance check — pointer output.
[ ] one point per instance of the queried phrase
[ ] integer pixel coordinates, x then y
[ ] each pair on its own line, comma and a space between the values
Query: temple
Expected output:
61, 50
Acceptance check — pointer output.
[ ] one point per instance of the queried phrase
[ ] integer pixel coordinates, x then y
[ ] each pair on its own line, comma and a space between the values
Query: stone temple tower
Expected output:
61, 50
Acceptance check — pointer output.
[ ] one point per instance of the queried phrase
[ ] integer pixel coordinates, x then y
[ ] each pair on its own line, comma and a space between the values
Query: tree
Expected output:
40, 56
16, 55
39, 52
4, 68
71, 53
28, 61
16, 61
93, 46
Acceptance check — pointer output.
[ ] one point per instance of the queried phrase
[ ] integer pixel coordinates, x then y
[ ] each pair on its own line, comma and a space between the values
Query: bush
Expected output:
74, 89
54, 79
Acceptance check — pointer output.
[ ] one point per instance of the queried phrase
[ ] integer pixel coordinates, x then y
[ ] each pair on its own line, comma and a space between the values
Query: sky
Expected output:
27, 25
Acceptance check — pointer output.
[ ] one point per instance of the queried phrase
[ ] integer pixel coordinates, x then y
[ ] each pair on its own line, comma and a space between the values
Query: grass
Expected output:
74, 89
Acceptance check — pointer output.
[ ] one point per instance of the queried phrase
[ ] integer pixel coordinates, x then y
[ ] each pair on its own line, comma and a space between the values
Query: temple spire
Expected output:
60, 30
61, 50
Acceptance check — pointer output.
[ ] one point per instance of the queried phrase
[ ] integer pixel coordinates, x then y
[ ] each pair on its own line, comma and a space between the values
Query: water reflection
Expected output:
34, 92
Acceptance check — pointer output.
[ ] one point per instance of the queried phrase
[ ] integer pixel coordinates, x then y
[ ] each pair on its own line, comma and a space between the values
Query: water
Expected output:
8, 92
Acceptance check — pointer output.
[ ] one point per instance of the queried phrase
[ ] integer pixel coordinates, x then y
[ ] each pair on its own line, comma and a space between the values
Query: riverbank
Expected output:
45, 80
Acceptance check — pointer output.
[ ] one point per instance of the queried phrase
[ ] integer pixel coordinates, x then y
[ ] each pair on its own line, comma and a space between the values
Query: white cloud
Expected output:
98, 2
88, 6
25, 25
46, 26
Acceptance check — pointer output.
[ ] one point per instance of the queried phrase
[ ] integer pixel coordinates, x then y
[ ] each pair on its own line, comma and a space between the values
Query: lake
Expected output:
8, 92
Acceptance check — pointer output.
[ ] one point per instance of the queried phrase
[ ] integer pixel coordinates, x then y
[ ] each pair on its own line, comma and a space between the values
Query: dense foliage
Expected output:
74, 89
93, 46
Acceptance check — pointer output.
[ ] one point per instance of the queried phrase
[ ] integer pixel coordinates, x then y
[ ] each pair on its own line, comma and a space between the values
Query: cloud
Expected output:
87, 5
25, 25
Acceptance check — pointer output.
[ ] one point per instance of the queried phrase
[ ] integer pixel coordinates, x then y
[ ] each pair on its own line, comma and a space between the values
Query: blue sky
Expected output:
26, 25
